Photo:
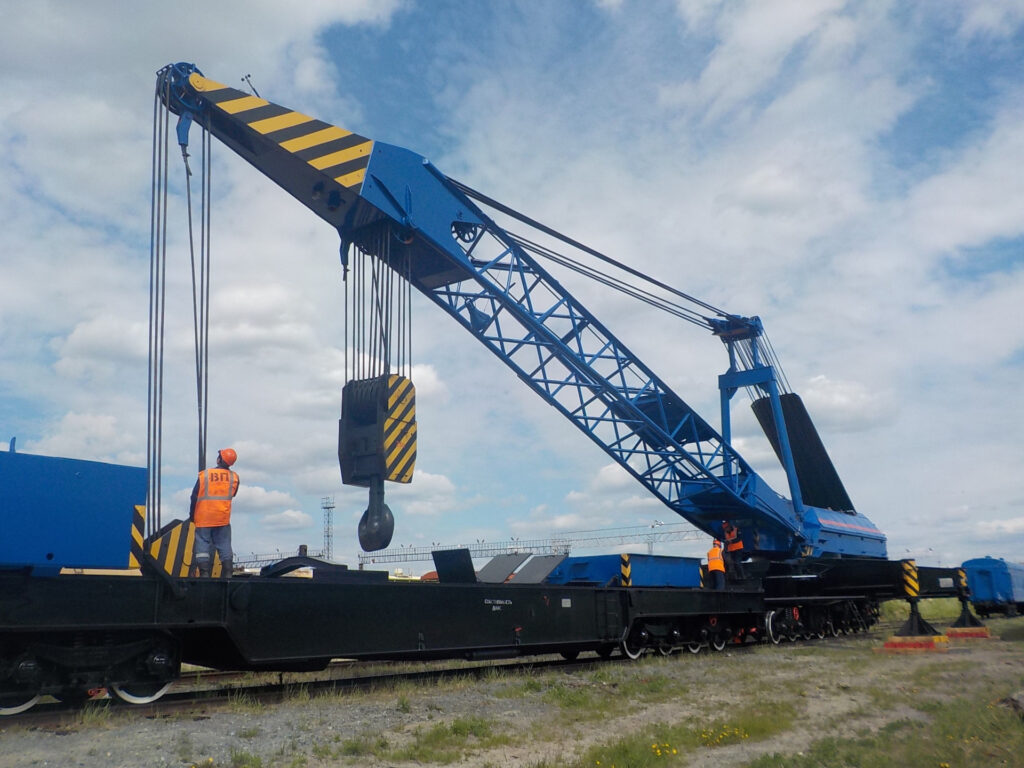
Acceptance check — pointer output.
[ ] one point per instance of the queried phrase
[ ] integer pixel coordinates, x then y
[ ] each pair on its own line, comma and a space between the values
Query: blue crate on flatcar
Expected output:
642, 570
66, 513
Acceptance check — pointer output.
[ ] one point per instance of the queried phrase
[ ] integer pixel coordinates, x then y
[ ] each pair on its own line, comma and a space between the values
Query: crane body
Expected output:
394, 204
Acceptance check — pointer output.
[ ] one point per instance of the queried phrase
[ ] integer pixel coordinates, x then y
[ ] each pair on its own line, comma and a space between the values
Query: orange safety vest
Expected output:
715, 561
213, 503
733, 542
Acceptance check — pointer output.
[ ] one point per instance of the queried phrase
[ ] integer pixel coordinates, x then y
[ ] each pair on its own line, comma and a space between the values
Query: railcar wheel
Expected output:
694, 647
719, 641
16, 703
140, 693
665, 649
635, 643
632, 651
605, 651
770, 629
570, 655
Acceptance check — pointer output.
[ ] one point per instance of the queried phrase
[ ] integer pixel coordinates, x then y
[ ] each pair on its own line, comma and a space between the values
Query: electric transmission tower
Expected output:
327, 505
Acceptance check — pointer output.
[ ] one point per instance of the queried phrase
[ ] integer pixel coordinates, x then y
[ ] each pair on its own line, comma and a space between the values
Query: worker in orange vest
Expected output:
733, 549
210, 511
716, 566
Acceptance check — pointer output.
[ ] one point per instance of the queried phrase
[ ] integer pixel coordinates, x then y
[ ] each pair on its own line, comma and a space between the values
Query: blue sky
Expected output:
851, 172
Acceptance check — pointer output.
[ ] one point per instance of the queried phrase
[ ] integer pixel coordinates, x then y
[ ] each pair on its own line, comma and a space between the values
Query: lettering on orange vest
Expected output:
715, 561
213, 504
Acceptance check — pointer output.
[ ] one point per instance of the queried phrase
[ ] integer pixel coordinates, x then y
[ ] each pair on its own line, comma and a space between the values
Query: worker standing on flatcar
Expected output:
733, 549
716, 566
210, 511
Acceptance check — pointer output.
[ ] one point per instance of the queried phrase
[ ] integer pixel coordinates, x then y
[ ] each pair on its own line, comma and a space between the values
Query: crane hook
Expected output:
377, 525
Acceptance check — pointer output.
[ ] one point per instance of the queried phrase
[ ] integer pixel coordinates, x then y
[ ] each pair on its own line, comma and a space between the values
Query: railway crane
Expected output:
437, 234
135, 614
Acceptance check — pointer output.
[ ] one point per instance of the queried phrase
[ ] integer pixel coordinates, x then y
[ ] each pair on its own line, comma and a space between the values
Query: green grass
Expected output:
242, 759
959, 733
242, 701
447, 743
364, 745
665, 744
931, 609
1006, 630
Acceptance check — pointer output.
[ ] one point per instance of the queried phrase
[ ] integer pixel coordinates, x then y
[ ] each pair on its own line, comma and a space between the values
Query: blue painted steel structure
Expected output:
394, 204
66, 513
644, 571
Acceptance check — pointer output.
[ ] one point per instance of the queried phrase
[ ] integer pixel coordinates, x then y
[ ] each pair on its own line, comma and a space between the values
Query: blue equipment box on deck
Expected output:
994, 581
643, 570
67, 513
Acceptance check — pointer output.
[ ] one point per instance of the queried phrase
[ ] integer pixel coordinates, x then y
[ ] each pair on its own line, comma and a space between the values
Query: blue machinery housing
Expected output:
996, 585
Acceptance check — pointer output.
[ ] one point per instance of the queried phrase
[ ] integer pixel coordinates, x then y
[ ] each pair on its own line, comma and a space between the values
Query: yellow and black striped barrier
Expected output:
135, 557
625, 571
911, 584
173, 550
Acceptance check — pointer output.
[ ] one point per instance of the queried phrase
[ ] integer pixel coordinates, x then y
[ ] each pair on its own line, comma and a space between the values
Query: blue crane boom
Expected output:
394, 204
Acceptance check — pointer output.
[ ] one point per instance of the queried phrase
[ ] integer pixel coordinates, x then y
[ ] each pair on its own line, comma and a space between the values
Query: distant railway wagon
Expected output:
996, 585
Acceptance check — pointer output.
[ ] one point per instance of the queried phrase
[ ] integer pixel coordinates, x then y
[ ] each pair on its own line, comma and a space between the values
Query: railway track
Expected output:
200, 690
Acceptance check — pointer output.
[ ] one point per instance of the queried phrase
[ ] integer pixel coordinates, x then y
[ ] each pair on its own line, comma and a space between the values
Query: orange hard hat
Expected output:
227, 455
718, 543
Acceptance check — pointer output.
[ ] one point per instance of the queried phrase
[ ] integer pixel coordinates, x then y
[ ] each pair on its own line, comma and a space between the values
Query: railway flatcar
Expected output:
996, 586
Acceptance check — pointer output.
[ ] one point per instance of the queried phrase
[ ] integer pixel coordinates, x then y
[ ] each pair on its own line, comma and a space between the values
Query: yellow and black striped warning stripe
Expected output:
400, 430
135, 557
172, 548
911, 585
339, 154
961, 583
625, 571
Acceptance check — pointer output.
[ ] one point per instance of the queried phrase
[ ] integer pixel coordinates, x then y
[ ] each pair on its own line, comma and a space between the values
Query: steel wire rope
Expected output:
344, 279
491, 203
200, 292
622, 286
208, 231
157, 316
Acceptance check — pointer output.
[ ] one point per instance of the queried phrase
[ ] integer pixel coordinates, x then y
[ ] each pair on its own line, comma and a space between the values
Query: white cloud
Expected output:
93, 436
990, 18
288, 520
995, 529
254, 498
845, 406
431, 496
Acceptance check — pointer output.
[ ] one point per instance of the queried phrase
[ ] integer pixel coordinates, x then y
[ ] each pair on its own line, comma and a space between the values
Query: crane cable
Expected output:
378, 318
158, 298
200, 288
